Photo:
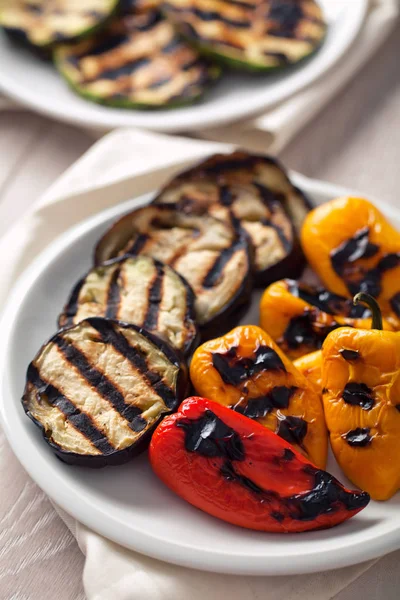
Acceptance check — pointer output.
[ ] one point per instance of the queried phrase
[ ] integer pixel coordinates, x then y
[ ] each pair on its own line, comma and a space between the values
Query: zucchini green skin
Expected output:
45, 50
228, 56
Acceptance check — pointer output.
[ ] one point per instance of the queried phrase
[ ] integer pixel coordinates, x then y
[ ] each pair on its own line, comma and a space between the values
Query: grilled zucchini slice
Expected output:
98, 389
259, 35
44, 23
138, 62
207, 252
255, 194
138, 290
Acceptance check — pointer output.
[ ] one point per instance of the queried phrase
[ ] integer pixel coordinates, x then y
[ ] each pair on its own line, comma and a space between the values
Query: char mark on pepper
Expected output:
235, 369
278, 398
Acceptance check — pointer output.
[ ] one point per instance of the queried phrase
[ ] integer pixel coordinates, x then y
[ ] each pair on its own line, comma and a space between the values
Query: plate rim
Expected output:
63, 493
176, 121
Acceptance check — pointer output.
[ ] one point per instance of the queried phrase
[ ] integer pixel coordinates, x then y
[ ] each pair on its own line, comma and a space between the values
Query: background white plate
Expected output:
128, 504
37, 85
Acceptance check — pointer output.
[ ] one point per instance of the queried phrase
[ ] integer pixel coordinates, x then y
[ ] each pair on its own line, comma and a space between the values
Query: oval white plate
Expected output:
37, 85
128, 504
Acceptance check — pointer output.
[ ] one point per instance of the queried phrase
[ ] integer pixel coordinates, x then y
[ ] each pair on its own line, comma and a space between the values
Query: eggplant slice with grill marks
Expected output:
258, 35
137, 62
98, 389
207, 252
255, 194
138, 290
41, 24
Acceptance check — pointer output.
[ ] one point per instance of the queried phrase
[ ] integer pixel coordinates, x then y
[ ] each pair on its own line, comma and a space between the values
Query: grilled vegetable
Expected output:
299, 316
245, 370
44, 23
254, 193
138, 290
257, 35
310, 365
240, 472
207, 252
137, 62
361, 381
98, 389
353, 248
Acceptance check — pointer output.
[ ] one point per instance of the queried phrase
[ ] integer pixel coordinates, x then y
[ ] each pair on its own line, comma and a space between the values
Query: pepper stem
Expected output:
363, 298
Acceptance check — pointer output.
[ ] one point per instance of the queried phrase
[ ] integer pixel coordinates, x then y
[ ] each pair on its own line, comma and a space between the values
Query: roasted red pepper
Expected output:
239, 471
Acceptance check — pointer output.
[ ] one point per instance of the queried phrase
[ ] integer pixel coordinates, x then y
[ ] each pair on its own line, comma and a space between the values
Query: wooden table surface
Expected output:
355, 142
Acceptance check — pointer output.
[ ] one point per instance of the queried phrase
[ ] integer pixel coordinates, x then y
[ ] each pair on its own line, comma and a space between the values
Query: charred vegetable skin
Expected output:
97, 391
361, 381
254, 193
258, 36
353, 248
246, 371
299, 317
208, 253
137, 62
240, 472
42, 24
138, 290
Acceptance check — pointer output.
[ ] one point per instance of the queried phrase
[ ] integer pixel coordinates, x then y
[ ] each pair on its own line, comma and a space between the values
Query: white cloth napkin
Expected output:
276, 127
123, 164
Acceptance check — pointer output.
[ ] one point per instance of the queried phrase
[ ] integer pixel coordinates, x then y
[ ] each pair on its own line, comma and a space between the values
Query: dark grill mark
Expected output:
397, 407
72, 307
283, 59
292, 429
278, 398
286, 15
34, 8
123, 70
278, 516
208, 15
286, 244
138, 424
106, 45
216, 271
328, 302
353, 249
226, 197
234, 369
159, 83
96, 379
326, 496
113, 295
229, 473
155, 298
357, 278
211, 437
171, 46
350, 354
395, 304
359, 437
358, 394
138, 244
136, 358
81, 421
305, 330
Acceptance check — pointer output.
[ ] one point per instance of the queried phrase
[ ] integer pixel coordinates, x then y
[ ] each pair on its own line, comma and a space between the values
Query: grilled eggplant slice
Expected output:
208, 253
44, 23
98, 389
138, 62
138, 290
254, 193
260, 35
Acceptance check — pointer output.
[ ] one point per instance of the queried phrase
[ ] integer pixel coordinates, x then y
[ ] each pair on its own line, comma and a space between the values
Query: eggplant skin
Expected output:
207, 252
30, 22
85, 424
255, 194
138, 290
151, 67
260, 36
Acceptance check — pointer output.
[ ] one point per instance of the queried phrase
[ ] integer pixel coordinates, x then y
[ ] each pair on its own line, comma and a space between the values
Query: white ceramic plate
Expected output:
37, 85
128, 504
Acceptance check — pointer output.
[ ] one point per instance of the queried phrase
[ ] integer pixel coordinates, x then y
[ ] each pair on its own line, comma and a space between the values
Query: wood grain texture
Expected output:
355, 142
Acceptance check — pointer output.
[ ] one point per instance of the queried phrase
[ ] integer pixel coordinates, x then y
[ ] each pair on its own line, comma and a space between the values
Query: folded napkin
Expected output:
275, 128
123, 164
